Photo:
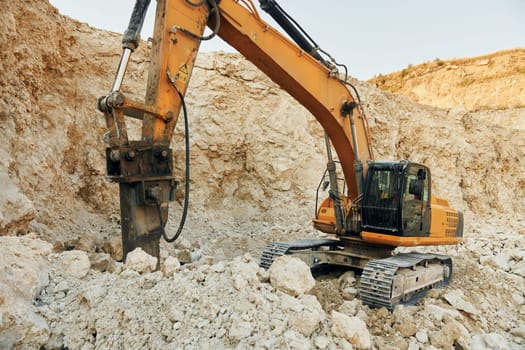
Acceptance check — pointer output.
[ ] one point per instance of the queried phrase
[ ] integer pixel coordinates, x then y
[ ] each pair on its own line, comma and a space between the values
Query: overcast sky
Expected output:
369, 36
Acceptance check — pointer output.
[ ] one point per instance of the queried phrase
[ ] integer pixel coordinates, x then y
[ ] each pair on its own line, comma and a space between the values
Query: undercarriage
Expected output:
386, 280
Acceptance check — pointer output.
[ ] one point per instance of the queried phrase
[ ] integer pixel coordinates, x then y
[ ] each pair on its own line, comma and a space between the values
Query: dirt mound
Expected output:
257, 157
493, 81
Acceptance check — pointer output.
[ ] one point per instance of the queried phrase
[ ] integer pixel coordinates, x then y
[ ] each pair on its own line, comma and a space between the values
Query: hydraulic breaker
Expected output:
144, 168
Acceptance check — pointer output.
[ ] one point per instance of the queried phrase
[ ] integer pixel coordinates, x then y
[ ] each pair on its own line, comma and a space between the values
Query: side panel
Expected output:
446, 222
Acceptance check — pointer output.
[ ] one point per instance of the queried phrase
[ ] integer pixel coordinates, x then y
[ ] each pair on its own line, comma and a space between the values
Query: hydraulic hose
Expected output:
214, 9
290, 26
186, 180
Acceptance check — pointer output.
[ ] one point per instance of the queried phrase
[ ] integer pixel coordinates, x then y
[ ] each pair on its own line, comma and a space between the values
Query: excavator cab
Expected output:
396, 199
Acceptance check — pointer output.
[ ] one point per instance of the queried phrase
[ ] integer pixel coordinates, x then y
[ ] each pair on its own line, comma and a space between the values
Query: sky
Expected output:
370, 36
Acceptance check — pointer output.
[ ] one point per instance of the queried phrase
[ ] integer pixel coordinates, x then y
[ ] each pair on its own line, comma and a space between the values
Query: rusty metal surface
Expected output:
139, 161
144, 172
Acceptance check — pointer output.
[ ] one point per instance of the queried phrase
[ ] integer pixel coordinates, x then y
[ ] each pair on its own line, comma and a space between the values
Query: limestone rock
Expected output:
93, 294
519, 268
113, 247
183, 243
307, 320
170, 266
445, 337
321, 342
291, 275
347, 279
519, 331
80, 243
438, 312
350, 307
406, 326
245, 273
100, 262
75, 263
422, 336
456, 298
448, 85
296, 341
24, 272
183, 256
489, 341
16, 210
351, 329
413, 345
500, 261
240, 329
140, 261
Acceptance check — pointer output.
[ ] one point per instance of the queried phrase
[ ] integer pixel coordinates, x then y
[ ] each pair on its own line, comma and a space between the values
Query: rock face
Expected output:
256, 159
16, 210
493, 81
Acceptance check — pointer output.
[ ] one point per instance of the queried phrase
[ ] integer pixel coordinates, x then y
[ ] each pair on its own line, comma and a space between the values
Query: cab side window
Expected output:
415, 200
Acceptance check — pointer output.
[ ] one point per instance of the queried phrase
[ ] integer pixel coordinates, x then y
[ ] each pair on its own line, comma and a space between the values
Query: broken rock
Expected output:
100, 262
456, 298
140, 261
490, 341
170, 266
519, 331
24, 272
75, 262
291, 275
307, 320
113, 247
351, 329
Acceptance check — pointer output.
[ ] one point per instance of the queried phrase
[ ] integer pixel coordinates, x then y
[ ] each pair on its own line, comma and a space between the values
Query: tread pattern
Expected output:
378, 277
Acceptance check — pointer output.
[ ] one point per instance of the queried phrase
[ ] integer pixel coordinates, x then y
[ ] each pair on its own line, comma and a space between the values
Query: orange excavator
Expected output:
376, 207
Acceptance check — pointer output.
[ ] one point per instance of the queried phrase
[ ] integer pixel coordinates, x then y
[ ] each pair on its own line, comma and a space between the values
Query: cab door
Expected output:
415, 217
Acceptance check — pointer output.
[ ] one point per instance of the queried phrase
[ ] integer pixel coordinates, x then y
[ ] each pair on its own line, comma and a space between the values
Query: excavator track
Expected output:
403, 279
272, 251
276, 249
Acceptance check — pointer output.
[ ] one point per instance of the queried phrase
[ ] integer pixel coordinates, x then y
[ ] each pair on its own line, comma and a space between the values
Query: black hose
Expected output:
355, 90
215, 9
186, 181
314, 44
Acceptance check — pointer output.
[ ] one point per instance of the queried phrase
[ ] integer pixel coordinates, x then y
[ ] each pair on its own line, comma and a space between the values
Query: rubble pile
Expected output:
257, 157
236, 304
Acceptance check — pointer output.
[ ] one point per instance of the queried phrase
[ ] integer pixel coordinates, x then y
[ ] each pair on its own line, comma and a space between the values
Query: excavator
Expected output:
372, 208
